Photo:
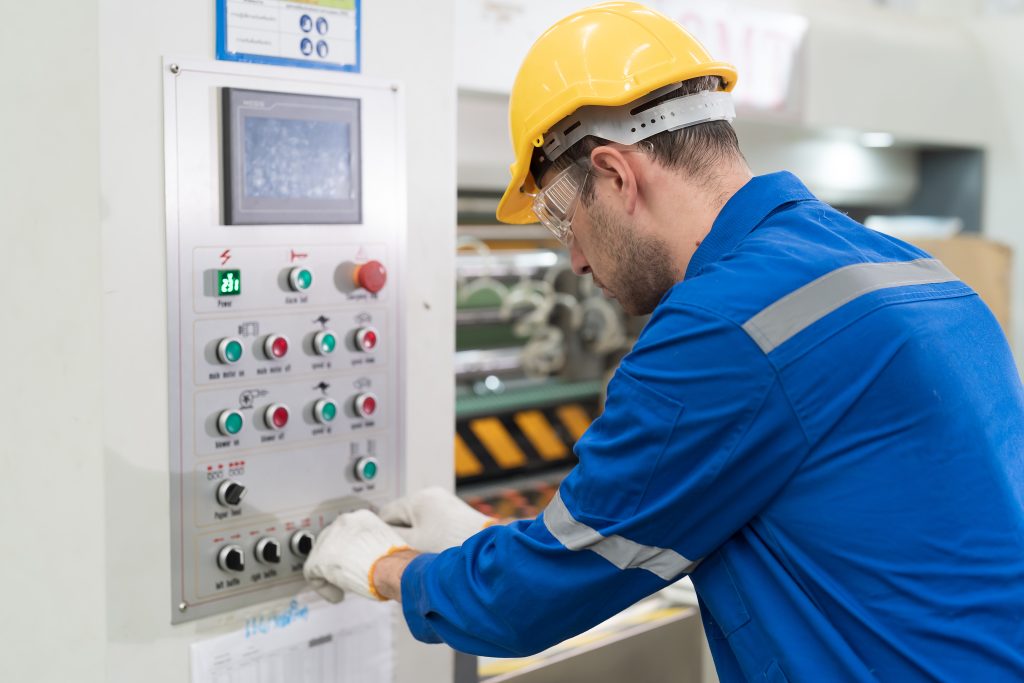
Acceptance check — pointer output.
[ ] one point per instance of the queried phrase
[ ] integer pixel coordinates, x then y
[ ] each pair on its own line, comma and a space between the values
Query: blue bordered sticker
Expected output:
317, 34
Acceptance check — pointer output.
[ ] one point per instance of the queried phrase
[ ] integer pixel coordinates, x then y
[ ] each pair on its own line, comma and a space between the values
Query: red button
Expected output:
277, 346
371, 276
369, 406
366, 339
277, 416
366, 405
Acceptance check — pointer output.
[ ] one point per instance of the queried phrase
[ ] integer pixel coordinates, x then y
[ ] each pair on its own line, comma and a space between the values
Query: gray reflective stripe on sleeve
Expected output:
800, 309
621, 552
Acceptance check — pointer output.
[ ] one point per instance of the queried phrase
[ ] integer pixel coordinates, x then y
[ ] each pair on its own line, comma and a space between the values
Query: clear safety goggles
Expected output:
556, 204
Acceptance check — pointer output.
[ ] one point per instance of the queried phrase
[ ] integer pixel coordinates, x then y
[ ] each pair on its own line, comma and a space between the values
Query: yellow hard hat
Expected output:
606, 55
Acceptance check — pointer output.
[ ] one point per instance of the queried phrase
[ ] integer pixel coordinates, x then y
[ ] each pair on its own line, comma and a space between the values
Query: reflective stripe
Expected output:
621, 552
799, 310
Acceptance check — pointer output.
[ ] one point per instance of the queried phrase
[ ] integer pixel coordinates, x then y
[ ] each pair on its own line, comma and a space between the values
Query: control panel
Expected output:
285, 226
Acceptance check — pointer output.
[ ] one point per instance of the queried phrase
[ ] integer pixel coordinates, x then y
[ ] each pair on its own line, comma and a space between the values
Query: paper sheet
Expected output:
307, 642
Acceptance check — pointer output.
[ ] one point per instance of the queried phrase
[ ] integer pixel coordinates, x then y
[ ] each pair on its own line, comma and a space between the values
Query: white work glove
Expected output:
433, 519
346, 552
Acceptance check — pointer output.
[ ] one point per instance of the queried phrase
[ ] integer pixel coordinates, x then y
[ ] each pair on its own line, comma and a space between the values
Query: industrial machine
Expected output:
535, 345
285, 231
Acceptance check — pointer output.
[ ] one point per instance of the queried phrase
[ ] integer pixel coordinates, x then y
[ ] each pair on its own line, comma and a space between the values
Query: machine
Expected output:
285, 231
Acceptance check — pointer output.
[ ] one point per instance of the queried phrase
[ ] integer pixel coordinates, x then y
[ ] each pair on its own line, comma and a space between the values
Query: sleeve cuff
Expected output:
415, 601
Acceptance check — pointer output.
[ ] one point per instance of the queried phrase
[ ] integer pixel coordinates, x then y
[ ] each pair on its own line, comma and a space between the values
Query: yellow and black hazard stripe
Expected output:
495, 446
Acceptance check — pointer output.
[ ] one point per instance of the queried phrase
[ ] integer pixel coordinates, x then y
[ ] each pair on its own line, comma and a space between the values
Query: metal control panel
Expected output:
285, 337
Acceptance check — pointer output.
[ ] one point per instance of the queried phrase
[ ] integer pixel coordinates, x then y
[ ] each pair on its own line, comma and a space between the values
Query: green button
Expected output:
233, 423
232, 351
328, 342
304, 279
328, 411
369, 471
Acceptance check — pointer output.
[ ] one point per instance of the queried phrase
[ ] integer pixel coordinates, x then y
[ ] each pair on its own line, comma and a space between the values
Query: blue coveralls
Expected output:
824, 428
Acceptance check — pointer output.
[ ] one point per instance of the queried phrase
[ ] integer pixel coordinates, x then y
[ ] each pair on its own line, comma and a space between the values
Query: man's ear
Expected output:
616, 176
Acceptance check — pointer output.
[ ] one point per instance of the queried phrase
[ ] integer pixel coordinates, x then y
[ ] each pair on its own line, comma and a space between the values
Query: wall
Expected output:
84, 486
999, 112
51, 458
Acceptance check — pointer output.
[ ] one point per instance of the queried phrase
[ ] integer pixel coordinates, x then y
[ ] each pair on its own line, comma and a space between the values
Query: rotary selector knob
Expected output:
371, 276
300, 279
302, 543
325, 342
231, 558
268, 550
275, 346
325, 410
230, 350
230, 494
366, 469
366, 339
365, 404
276, 416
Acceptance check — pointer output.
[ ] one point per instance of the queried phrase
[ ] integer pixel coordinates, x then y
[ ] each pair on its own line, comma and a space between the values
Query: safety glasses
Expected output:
555, 205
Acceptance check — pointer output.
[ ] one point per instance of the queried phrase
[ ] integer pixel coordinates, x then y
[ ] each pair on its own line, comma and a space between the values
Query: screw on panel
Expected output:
182, 606
174, 68
394, 87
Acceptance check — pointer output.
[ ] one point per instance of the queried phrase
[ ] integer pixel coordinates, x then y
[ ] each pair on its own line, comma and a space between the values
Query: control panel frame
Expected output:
313, 471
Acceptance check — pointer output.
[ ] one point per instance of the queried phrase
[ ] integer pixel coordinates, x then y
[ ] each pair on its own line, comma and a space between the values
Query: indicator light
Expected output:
230, 422
300, 279
325, 342
276, 416
230, 350
276, 346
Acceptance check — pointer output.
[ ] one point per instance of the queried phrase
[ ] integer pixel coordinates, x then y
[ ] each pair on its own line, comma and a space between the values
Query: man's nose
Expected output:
579, 262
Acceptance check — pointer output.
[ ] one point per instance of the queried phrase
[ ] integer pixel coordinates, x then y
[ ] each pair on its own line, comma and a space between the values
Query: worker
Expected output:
820, 425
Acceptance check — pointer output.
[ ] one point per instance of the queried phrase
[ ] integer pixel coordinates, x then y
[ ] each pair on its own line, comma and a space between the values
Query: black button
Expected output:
305, 544
272, 552
234, 493
234, 560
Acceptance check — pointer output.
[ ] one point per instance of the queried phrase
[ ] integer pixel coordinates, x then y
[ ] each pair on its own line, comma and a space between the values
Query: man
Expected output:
819, 424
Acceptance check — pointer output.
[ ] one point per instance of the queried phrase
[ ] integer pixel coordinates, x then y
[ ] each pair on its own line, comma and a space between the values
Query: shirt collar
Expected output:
744, 211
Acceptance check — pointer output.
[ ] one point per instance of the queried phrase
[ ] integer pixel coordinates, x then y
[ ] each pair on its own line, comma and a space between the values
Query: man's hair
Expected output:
693, 150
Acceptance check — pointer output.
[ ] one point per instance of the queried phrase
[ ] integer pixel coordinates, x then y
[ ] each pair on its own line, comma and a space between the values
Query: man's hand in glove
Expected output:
433, 520
346, 556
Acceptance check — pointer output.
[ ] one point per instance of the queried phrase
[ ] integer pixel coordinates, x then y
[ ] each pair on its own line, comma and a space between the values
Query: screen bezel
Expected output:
239, 104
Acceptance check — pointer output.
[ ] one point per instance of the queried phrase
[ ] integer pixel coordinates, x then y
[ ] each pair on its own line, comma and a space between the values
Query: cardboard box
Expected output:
983, 264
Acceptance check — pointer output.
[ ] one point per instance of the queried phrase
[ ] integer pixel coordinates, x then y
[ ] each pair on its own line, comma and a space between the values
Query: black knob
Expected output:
302, 543
231, 558
268, 551
230, 493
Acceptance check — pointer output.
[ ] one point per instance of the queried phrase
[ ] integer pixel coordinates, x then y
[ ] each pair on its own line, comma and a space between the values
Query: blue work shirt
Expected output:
824, 427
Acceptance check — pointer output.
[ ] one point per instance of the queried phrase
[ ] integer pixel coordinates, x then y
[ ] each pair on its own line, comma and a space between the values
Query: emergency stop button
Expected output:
371, 276
366, 339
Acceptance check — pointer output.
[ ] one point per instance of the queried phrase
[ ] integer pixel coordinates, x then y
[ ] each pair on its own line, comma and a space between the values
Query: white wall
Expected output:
51, 458
85, 490
1001, 113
